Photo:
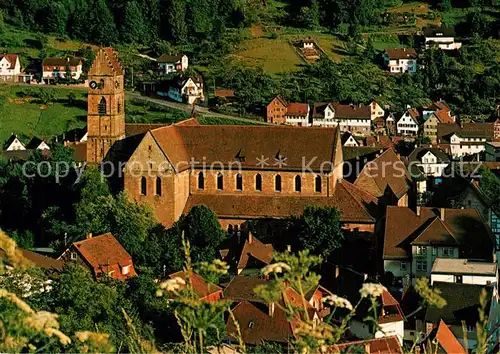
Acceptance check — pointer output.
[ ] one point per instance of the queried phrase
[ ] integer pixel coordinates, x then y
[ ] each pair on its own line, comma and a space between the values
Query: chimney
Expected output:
419, 210
89, 235
442, 213
250, 238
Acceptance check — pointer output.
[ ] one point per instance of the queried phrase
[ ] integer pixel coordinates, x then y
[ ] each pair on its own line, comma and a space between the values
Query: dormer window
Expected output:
126, 269
73, 256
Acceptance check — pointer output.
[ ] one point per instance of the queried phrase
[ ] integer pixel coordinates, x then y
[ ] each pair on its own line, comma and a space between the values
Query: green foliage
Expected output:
490, 185
319, 230
134, 26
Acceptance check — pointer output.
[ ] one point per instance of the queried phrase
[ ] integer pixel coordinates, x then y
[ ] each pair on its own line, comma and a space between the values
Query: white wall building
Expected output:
441, 37
10, 67
462, 144
464, 271
53, 68
351, 118
14, 144
408, 123
401, 60
168, 64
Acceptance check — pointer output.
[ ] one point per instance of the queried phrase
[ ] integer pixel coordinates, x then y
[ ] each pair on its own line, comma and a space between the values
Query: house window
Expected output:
73, 256
102, 107
403, 266
258, 182
220, 181
239, 182
458, 279
448, 252
298, 184
201, 181
421, 266
126, 269
158, 186
144, 186
277, 183
421, 250
434, 251
318, 183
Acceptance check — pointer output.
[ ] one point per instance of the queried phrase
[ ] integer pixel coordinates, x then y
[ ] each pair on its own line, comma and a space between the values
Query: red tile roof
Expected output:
403, 225
201, 287
297, 109
447, 340
354, 204
38, 260
385, 345
401, 53
62, 62
387, 170
105, 254
132, 129
352, 111
444, 116
253, 248
11, 58
224, 144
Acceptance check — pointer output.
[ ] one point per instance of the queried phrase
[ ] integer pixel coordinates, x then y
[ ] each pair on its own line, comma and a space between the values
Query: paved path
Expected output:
189, 108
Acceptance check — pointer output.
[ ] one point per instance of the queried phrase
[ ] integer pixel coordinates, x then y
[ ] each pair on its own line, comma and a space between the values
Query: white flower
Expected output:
337, 301
172, 284
372, 290
159, 293
275, 268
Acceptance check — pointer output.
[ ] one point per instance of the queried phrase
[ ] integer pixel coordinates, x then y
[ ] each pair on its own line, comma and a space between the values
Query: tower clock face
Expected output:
93, 85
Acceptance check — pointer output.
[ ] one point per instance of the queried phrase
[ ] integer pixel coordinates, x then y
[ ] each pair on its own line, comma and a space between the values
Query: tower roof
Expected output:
106, 63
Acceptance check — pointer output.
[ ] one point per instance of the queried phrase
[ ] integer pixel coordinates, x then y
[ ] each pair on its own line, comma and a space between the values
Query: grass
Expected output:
273, 55
139, 111
32, 119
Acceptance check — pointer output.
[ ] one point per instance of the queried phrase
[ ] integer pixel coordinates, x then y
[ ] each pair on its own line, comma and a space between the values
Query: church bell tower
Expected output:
106, 105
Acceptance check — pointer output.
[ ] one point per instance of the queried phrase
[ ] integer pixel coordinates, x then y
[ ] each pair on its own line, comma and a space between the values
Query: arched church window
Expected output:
102, 106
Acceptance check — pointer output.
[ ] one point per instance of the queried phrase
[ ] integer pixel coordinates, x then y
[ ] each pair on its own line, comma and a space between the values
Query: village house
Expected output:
276, 110
464, 271
204, 290
376, 111
387, 179
408, 123
262, 321
441, 340
461, 311
414, 238
468, 138
390, 124
54, 68
10, 67
400, 60
353, 118
437, 106
349, 140
13, 144
37, 144
279, 111
187, 90
247, 257
103, 255
390, 320
168, 64
430, 126
441, 37
427, 166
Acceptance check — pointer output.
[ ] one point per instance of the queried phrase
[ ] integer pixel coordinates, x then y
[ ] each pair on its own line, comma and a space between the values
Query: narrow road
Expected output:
189, 108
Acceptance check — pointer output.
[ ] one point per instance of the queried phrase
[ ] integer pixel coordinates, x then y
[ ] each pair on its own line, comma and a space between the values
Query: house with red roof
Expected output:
103, 255
53, 68
280, 111
247, 257
414, 238
400, 60
356, 119
202, 288
442, 340
10, 67
390, 320
262, 321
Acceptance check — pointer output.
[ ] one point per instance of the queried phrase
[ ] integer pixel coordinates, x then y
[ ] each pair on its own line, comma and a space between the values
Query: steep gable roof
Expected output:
11, 58
444, 116
224, 144
462, 303
10, 140
387, 170
446, 340
103, 252
436, 233
403, 225
253, 248
201, 287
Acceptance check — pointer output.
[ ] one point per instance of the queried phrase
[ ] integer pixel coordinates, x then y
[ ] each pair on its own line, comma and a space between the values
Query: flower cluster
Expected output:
337, 301
216, 267
372, 290
28, 285
276, 268
171, 285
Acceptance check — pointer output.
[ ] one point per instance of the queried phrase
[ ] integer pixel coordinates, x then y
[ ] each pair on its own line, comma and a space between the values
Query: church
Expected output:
242, 173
